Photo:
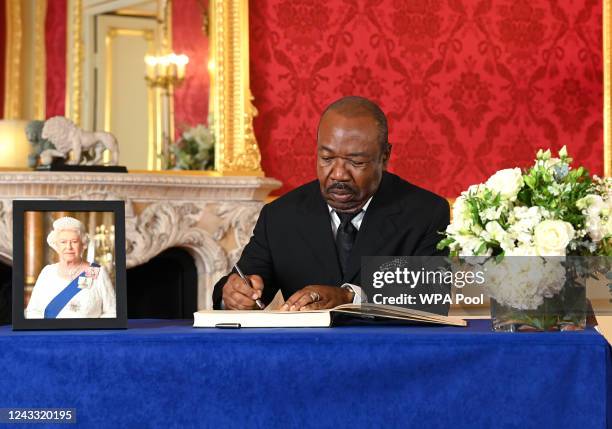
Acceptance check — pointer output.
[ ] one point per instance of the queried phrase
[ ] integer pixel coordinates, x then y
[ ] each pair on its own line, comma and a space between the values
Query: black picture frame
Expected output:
20, 207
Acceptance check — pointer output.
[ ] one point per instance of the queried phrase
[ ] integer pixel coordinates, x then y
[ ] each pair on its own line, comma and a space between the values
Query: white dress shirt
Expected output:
335, 219
356, 221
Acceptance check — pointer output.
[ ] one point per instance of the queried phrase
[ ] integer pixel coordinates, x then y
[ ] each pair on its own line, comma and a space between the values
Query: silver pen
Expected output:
248, 283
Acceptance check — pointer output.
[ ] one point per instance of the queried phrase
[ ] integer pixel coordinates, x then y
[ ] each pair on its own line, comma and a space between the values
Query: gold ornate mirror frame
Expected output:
236, 150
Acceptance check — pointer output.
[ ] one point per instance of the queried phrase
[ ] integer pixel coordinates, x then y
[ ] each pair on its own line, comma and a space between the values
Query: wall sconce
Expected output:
166, 72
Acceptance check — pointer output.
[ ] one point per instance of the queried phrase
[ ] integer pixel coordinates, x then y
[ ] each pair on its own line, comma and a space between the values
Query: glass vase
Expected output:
565, 311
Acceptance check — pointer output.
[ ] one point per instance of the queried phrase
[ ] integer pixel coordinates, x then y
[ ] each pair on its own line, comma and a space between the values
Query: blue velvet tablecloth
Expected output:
167, 374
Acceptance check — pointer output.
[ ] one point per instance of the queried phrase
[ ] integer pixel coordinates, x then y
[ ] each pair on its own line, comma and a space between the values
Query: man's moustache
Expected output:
340, 187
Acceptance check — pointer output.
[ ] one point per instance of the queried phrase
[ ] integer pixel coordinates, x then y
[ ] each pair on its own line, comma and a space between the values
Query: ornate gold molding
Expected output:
74, 84
607, 53
25, 59
236, 150
14, 45
40, 55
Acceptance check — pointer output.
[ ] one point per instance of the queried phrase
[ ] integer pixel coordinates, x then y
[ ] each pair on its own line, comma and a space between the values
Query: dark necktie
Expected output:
345, 238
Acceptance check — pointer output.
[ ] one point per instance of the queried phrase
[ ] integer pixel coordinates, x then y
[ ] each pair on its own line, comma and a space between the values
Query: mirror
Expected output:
84, 59
145, 116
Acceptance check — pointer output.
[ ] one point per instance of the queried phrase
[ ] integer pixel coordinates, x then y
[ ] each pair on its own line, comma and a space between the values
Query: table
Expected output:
167, 374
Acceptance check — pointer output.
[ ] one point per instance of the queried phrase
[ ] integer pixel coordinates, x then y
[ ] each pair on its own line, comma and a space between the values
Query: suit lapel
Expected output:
376, 229
315, 229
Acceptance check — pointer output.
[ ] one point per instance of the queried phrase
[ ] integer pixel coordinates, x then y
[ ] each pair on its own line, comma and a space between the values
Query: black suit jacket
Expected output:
293, 244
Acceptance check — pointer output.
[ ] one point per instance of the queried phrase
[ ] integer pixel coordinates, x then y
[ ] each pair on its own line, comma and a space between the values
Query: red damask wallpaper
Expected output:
189, 38
469, 86
55, 45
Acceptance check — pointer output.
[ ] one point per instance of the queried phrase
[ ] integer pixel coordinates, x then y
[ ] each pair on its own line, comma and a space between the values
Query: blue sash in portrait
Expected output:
61, 299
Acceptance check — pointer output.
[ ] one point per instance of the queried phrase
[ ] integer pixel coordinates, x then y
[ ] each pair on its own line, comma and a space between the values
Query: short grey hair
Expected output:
355, 106
67, 223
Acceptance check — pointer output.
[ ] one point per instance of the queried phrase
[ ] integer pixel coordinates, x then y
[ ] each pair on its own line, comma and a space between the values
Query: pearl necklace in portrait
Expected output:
71, 274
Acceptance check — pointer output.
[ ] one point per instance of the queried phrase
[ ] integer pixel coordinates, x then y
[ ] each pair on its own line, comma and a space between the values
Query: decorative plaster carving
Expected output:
161, 211
164, 225
150, 186
241, 219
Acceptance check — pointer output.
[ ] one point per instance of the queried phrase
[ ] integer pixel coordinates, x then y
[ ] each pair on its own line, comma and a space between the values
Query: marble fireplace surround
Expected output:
210, 217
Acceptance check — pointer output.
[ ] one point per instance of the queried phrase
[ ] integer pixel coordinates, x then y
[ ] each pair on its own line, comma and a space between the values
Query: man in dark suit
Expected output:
309, 242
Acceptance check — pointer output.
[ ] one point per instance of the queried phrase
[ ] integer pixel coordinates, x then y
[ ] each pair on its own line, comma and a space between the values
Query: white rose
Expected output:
551, 237
506, 182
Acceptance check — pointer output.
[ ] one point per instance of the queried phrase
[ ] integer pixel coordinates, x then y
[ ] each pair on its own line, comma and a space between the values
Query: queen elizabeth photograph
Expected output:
72, 287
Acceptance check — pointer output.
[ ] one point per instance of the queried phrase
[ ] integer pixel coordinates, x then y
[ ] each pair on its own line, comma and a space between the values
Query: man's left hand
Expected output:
317, 297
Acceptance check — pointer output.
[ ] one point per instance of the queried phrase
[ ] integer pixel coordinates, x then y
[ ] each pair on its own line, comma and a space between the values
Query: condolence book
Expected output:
347, 314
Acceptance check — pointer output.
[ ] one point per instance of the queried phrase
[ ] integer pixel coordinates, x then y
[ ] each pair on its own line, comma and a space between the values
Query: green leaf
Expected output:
481, 249
530, 181
445, 243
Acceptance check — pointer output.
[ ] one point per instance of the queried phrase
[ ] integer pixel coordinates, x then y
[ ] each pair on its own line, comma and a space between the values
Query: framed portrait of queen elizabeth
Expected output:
69, 264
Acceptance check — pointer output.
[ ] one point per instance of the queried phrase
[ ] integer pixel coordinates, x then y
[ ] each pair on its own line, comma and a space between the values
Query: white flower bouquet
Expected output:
546, 213
195, 150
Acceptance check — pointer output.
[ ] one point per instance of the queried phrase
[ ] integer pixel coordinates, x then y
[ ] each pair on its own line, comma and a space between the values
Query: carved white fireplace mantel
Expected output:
211, 217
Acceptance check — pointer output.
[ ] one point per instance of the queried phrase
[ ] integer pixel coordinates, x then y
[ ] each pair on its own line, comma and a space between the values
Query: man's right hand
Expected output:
238, 296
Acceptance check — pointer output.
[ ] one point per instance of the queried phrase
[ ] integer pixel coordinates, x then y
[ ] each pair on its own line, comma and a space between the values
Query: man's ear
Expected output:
386, 155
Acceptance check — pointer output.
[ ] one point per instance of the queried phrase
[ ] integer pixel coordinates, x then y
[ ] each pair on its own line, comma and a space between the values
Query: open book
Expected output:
343, 314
